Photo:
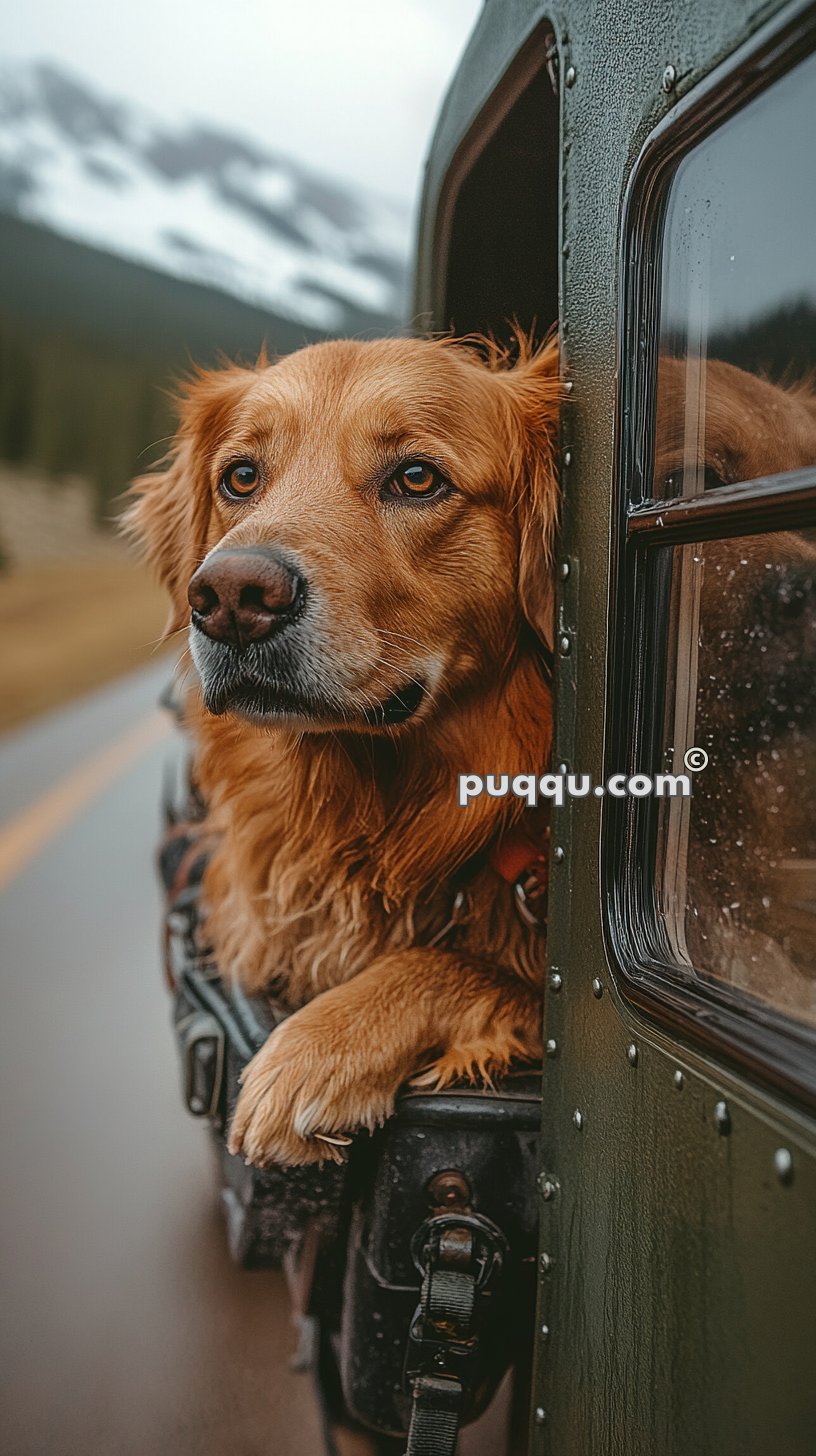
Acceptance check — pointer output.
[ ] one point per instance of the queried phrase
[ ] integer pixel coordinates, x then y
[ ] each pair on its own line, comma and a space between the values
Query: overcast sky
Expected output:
351, 86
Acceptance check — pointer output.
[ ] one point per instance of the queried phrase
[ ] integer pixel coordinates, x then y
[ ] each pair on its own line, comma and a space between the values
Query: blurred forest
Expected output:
91, 343
778, 345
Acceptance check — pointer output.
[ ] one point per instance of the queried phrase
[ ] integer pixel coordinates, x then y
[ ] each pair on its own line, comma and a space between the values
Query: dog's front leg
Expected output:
337, 1064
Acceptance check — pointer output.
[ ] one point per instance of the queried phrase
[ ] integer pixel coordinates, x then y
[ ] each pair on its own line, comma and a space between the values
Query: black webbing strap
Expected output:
449, 1287
457, 1254
434, 1416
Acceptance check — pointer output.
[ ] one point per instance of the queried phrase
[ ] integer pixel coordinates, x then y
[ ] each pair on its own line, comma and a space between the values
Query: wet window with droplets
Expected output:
736, 875
714, 911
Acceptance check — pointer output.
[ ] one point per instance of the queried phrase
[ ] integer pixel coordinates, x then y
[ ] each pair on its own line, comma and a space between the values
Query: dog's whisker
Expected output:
153, 642
387, 632
395, 666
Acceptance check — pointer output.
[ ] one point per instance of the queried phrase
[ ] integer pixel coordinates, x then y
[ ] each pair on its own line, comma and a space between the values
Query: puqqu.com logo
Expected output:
557, 787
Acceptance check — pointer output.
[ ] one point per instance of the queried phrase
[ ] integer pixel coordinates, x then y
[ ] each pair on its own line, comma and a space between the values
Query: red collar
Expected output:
523, 860
518, 851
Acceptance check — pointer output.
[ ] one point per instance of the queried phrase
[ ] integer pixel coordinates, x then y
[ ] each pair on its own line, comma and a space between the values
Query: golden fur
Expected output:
342, 845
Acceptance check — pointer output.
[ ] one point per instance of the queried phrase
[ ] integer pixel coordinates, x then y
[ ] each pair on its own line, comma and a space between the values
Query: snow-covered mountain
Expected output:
198, 203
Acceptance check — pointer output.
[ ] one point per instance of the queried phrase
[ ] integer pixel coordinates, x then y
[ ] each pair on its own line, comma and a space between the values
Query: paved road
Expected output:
125, 1329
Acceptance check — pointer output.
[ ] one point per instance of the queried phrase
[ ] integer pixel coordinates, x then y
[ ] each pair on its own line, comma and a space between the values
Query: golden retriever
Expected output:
362, 535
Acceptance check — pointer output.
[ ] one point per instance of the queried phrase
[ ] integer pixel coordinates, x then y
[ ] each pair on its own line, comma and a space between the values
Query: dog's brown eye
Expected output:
418, 479
240, 479
673, 482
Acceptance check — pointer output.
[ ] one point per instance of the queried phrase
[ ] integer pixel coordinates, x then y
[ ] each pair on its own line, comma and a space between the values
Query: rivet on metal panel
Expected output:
540, 1415
783, 1165
544, 1332
449, 1189
563, 769
570, 76
564, 645
567, 457
556, 981
678, 1080
565, 570
578, 1118
669, 79
597, 988
550, 1047
632, 1054
722, 1118
557, 855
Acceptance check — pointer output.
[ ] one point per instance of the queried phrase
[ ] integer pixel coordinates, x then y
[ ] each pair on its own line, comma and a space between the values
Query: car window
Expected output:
737, 335
736, 401
713, 895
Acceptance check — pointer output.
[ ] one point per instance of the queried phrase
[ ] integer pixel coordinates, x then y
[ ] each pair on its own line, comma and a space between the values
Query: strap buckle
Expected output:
458, 1255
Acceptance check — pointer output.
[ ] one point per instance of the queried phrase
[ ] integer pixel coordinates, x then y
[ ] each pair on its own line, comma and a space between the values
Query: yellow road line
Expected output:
22, 837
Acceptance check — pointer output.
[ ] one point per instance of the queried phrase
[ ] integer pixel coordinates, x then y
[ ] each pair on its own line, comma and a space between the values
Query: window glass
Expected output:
736, 878
738, 299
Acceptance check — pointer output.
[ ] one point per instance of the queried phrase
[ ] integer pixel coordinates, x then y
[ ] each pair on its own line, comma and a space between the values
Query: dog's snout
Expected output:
244, 595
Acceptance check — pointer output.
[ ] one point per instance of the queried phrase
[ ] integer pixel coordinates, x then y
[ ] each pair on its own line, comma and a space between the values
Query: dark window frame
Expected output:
747, 1032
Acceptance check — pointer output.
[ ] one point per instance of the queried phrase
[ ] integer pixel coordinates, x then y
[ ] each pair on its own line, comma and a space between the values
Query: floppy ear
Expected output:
171, 506
536, 392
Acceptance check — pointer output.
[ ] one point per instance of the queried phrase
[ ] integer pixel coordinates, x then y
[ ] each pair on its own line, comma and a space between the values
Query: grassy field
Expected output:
68, 626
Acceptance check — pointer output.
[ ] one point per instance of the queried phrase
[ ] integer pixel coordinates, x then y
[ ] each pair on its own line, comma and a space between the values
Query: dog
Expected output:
359, 537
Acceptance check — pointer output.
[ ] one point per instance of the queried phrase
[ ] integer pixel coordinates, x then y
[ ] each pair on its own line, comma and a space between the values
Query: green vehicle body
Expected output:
677, 1283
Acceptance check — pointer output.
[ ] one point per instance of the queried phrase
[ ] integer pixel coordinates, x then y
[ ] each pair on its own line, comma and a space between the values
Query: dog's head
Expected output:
357, 532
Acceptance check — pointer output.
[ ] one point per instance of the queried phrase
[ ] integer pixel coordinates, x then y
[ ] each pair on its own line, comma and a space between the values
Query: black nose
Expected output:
244, 595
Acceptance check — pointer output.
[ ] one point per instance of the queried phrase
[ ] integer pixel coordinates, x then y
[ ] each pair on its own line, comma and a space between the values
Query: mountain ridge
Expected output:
195, 201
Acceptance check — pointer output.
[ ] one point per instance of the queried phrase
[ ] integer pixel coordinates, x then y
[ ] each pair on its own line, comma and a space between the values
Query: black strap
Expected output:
458, 1255
434, 1416
449, 1301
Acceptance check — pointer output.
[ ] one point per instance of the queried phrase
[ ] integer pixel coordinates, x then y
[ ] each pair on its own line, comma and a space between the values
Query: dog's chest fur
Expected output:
323, 872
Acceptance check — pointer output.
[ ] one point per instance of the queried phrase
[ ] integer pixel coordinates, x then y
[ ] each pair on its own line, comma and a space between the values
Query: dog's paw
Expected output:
477, 1063
305, 1091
